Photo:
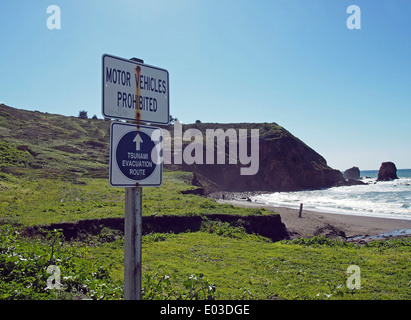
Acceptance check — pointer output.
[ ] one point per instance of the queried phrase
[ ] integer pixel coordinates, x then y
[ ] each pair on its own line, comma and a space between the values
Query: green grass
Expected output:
10, 155
24, 269
59, 146
40, 201
239, 267
245, 268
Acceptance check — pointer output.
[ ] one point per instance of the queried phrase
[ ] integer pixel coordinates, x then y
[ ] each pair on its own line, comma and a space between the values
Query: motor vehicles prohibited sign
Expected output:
134, 91
135, 155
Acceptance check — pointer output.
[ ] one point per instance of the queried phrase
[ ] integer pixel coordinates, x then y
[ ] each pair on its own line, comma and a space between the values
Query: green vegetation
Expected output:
53, 169
59, 146
203, 265
39, 201
253, 269
24, 262
10, 156
24, 272
225, 229
221, 261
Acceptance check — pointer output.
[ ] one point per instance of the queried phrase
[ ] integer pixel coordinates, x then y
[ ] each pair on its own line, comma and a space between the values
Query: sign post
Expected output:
132, 243
134, 91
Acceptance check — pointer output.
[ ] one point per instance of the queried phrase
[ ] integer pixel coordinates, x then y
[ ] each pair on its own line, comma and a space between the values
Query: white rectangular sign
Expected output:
134, 91
135, 155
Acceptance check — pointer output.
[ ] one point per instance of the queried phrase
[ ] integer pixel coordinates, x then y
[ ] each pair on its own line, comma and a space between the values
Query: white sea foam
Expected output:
390, 199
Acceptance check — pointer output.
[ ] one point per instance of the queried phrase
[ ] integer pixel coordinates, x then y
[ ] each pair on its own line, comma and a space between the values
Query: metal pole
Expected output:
300, 213
132, 243
133, 227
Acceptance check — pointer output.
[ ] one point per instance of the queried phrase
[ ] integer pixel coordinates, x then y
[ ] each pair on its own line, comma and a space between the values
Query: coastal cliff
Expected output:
68, 147
285, 164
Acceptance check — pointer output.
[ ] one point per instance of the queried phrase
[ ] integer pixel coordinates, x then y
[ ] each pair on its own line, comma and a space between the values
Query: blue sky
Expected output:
345, 93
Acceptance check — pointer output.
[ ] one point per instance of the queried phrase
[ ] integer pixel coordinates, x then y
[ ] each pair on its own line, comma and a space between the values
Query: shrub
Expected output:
318, 241
23, 269
83, 114
24, 272
11, 155
162, 287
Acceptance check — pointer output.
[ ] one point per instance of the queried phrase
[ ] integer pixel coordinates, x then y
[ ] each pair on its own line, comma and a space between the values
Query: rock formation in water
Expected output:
387, 172
352, 173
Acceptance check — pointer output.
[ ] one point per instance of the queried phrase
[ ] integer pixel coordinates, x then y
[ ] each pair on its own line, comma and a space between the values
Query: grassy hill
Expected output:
53, 145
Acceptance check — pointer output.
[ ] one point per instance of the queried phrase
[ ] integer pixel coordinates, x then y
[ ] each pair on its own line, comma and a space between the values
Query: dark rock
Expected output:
198, 191
352, 173
388, 171
330, 231
350, 182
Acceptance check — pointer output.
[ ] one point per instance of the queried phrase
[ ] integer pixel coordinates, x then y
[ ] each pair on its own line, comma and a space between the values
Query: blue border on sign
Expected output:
136, 63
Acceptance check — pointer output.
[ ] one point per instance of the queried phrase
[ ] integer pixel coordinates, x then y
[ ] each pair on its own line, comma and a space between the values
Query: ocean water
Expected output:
389, 199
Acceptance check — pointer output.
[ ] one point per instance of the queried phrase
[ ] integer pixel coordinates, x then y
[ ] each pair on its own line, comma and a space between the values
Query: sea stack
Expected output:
352, 173
388, 171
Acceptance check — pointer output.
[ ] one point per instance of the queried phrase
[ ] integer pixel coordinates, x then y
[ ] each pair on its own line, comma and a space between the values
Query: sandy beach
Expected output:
329, 224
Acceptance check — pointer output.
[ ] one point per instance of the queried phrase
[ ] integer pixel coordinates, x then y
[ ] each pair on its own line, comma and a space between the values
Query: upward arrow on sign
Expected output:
138, 141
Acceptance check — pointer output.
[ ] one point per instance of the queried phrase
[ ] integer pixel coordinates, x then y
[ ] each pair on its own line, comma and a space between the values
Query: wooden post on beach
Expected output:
300, 213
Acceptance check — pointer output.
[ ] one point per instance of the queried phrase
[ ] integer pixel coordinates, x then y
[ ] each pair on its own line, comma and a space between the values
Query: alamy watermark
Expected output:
54, 20
210, 149
354, 20
354, 280
53, 282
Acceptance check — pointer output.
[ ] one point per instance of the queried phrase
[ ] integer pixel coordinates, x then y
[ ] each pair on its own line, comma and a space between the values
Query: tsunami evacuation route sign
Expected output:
135, 155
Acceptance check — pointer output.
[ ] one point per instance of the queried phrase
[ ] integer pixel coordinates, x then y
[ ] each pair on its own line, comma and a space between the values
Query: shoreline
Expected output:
331, 225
